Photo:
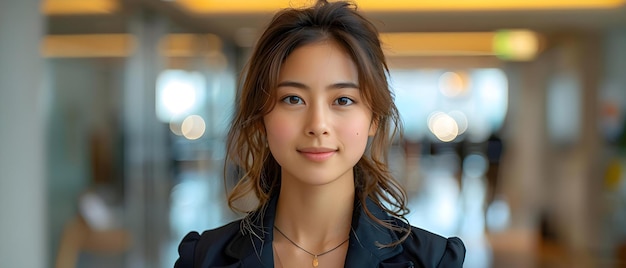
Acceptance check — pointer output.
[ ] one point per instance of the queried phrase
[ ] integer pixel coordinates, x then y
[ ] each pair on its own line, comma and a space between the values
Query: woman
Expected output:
315, 117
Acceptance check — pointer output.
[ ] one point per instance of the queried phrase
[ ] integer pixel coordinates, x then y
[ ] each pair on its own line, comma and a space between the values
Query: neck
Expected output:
316, 215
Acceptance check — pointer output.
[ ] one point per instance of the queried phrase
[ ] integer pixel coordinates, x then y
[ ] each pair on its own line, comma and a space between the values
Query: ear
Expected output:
373, 127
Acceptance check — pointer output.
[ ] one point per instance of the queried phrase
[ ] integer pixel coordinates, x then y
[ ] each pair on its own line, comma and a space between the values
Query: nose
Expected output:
317, 120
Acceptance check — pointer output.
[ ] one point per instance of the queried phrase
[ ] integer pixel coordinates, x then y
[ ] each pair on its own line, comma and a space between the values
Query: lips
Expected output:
317, 154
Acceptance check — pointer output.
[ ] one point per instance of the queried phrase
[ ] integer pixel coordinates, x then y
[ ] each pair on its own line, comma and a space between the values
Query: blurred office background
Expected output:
113, 116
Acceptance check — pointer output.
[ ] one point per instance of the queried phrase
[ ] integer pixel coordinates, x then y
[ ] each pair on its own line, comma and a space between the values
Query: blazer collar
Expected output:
367, 236
255, 249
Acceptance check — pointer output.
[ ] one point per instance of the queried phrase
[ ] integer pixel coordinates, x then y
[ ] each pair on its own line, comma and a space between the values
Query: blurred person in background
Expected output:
95, 236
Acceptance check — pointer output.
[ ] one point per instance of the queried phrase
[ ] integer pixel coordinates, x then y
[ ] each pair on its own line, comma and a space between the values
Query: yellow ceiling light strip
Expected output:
122, 45
505, 44
79, 7
87, 46
256, 6
425, 44
460, 5
516, 45
189, 45
237, 6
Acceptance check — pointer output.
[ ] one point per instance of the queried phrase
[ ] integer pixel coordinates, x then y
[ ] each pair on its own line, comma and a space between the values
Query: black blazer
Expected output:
229, 246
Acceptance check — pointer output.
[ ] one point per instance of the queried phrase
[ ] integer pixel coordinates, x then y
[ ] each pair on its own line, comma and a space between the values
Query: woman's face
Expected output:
319, 127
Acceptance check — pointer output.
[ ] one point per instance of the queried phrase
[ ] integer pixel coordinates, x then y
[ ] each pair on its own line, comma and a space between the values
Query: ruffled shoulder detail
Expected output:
186, 250
426, 249
454, 254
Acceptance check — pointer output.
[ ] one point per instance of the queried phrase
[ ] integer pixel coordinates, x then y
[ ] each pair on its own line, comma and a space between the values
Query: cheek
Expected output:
278, 129
355, 131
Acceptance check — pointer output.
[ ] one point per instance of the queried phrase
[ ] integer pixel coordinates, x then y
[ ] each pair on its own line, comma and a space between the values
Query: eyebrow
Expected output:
339, 85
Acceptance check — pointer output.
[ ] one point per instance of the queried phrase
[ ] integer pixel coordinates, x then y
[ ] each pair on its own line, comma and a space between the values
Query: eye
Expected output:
293, 100
343, 101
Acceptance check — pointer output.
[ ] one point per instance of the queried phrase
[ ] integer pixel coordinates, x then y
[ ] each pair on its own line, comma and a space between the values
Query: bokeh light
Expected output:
179, 93
453, 84
498, 215
193, 127
475, 165
522, 45
176, 127
443, 126
461, 120
178, 97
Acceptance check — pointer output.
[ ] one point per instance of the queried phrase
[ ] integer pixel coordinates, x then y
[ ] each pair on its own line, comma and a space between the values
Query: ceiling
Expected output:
228, 25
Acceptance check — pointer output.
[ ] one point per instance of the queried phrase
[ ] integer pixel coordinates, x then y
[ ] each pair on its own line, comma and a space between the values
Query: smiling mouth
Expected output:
317, 154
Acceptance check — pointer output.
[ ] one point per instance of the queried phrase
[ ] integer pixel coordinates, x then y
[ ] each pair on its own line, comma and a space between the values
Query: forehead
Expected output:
319, 63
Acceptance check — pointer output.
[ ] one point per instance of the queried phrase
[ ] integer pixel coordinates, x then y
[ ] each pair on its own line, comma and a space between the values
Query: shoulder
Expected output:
432, 250
194, 248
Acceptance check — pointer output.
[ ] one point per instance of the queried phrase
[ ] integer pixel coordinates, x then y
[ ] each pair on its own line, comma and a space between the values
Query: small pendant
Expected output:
315, 261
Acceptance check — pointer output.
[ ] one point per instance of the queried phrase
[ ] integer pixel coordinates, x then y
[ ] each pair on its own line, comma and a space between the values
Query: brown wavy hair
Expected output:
257, 170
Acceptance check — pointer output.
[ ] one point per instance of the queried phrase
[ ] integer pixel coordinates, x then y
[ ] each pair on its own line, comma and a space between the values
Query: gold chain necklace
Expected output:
315, 260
